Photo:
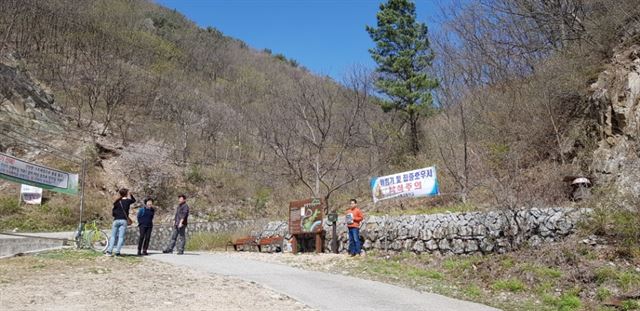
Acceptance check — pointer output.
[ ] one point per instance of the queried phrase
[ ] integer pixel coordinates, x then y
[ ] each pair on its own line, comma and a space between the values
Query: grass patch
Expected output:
532, 282
9, 206
544, 287
431, 274
603, 294
543, 273
628, 280
208, 241
551, 273
605, 274
458, 264
69, 254
507, 263
512, 285
398, 270
57, 213
566, 302
383, 267
472, 291
616, 215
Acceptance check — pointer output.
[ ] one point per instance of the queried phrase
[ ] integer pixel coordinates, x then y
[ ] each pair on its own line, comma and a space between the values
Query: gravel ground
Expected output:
72, 281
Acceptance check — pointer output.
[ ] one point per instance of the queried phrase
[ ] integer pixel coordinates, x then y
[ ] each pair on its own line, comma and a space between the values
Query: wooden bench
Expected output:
242, 243
271, 243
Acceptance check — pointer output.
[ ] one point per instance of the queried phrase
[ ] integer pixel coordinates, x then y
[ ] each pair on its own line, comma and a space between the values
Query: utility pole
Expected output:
84, 182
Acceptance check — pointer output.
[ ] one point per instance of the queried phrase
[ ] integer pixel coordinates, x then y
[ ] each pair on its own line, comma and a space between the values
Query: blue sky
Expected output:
326, 36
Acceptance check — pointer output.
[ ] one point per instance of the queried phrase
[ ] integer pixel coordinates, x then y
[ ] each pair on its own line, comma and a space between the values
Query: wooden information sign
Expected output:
305, 222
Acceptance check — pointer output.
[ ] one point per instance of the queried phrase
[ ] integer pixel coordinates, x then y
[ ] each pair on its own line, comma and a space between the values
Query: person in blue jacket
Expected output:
145, 223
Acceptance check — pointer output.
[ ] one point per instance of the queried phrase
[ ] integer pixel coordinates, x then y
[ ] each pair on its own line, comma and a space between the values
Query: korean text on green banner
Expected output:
19, 171
417, 183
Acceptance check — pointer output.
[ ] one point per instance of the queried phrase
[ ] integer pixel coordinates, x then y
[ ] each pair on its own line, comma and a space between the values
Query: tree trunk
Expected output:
465, 186
413, 122
317, 169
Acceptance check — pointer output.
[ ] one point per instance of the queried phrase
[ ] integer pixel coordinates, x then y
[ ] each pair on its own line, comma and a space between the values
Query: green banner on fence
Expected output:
23, 172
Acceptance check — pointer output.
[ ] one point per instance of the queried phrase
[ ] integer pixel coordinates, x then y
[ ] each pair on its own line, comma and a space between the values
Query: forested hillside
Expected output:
161, 106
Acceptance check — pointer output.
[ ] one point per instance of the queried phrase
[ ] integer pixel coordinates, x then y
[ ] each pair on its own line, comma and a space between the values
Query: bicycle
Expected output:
90, 237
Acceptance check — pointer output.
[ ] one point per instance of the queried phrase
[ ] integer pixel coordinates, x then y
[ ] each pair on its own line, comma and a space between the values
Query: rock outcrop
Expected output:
19, 93
616, 95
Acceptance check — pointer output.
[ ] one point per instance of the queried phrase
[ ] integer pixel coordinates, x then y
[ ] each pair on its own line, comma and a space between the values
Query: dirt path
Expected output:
71, 280
323, 291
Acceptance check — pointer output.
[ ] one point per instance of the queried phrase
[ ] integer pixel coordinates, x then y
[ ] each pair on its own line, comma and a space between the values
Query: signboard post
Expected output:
305, 222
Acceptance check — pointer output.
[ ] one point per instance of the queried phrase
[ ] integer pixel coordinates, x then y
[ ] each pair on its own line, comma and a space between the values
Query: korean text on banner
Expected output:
19, 171
417, 183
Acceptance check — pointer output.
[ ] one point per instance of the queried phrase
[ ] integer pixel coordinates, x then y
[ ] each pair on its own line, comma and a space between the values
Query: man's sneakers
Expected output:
108, 254
180, 253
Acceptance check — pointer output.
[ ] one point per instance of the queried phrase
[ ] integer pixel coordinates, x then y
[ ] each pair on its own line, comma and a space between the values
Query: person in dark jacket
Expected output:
145, 223
179, 226
120, 213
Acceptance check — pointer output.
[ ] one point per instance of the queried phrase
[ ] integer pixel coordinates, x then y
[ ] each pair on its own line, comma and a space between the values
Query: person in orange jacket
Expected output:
353, 218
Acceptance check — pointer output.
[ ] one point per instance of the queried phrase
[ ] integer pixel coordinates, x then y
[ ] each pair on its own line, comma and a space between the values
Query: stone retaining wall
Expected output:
456, 233
465, 233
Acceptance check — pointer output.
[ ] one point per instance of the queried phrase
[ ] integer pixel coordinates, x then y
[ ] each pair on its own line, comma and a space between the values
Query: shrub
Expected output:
568, 302
616, 215
602, 294
195, 175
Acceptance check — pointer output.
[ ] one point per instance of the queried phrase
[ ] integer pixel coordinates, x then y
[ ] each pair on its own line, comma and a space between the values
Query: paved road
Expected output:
322, 291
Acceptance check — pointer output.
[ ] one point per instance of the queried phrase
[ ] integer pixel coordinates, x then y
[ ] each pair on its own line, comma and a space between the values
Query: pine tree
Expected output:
403, 55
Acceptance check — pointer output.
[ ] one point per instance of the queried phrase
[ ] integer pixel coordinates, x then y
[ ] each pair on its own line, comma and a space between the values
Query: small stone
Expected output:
458, 246
444, 245
431, 245
418, 247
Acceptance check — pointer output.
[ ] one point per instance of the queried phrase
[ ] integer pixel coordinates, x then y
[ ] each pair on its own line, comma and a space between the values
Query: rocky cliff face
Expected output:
20, 93
23, 102
616, 95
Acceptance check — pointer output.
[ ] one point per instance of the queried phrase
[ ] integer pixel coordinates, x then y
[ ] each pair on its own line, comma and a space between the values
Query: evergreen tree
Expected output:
403, 55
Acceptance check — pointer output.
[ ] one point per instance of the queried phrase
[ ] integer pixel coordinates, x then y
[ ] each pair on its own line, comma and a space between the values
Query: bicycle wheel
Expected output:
96, 240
